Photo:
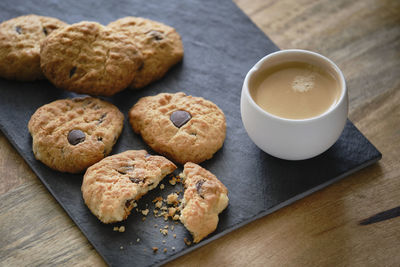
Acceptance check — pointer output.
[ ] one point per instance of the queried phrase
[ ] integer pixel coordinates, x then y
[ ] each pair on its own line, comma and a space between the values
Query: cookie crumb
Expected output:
145, 212
164, 241
176, 217
144, 218
164, 231
116, 228
174, 235
121, 247
172, 198
165, 250
187, 241
138, 240
121, 229
158, 204
171, 212
172, 181
162, 186
173, 248
156, 225
166, 227
157, 199
172, 227
155, 249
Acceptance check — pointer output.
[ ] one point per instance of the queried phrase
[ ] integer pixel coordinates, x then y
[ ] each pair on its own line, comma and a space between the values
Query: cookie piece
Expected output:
112, 186
204, 198
20, 40
70, 135
160, 45
89, 58
183, 128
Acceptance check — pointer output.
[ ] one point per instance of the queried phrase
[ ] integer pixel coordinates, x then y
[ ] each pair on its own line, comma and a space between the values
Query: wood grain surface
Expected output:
324, 229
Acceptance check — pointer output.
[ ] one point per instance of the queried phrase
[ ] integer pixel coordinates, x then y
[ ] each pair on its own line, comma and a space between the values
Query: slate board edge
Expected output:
273, 209
204, 242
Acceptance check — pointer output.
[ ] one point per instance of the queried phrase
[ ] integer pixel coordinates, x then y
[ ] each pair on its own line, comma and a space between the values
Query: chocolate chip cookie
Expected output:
20, 40
204, 198
160, 45
70, 135
89, 58
182, 128
112, 186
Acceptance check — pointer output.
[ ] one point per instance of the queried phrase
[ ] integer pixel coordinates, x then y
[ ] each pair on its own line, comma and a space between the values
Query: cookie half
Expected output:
89, 58
70, 135
204, 198
182, 128
112, 186
20, 40
160, 45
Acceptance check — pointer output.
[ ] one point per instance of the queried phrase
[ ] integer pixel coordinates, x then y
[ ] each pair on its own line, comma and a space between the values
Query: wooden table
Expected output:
363, 38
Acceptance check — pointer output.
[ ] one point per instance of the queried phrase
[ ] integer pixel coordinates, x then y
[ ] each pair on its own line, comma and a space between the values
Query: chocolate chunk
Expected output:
158, 36
198, 185
45, 31
180, 118
99, 138
135, 180
76, 136
72, 72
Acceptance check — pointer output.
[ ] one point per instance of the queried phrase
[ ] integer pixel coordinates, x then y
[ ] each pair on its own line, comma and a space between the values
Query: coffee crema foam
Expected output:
295, 90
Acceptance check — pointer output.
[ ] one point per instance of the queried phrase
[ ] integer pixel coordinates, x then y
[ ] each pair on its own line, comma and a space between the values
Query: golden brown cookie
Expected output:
183, 128
20, 40
70, 135
112, 186
89, 58
204, 198
160, 45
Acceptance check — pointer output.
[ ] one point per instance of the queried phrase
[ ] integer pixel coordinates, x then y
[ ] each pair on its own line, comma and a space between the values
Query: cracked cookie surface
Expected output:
204, 198
20, 40
160, 45
183, 128
70, 135
89, 58
112, 186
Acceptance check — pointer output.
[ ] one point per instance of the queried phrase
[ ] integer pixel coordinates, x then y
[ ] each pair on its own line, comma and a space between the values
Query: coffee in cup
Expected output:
295, 90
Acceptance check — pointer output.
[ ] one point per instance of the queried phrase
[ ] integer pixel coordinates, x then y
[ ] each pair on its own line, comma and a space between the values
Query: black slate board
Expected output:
221, 45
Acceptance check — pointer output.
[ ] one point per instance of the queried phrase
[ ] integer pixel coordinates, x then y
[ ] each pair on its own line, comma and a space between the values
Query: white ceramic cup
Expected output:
293, 139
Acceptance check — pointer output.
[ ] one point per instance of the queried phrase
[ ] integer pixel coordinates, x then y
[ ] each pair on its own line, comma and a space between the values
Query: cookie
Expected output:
20, 40
112, 186
70, 135
160, 45
204, 198
182, 128
89, 58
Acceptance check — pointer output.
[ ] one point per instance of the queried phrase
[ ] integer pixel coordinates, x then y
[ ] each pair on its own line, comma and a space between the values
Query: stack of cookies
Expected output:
88, 57
77, 135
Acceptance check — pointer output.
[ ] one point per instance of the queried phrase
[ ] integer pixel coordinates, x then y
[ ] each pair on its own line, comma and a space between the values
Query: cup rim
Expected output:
257, 66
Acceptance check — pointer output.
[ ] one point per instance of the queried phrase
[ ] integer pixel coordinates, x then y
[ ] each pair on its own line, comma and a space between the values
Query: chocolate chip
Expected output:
102, 118
150, 184
45, 31
72, 72
129, 203
18, 29
135, 180
180, 118
99, 138
76, 136
125, 169
199, 184
158, 36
